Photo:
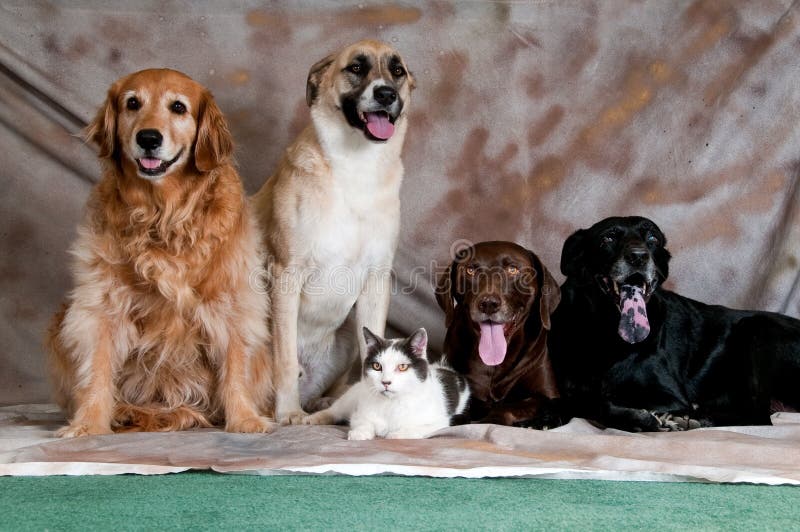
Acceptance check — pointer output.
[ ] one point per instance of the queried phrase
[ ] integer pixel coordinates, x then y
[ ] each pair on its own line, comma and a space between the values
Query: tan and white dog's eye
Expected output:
355, 68
398, 71
133, 103
177, 107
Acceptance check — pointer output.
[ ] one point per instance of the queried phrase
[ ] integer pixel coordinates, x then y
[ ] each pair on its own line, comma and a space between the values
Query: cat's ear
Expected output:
373, 341
418, 342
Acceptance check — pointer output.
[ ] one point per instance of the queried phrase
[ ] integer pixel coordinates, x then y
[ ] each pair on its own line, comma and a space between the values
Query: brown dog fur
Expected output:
165, 329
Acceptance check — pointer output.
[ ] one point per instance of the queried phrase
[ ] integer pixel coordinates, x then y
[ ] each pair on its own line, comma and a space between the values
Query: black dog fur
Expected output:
700, 365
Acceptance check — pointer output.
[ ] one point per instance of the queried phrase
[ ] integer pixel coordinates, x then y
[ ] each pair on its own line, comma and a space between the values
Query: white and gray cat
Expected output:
400, 395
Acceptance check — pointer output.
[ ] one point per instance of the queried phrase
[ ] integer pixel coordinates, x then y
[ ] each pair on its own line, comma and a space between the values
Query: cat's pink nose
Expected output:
386, 383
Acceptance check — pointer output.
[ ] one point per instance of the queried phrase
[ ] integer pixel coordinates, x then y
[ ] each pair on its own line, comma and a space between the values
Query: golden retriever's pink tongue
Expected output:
379, 126
492, 347
633, 323
149, 163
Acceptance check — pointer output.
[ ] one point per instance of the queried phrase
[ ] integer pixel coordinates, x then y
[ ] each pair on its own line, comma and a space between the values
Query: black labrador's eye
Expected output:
609, 238
355, 68
133, 103
177, 107
653, 239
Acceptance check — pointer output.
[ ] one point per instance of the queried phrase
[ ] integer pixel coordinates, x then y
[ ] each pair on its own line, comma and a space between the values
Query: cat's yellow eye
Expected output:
402, 367
376, 366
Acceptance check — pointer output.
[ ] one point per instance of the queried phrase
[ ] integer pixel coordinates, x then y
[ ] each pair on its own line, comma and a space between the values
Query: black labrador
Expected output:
631, 355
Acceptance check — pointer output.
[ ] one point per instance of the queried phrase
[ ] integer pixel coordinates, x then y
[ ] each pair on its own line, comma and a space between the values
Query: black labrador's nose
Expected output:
636, 256
489, 304
149, 139
385, 95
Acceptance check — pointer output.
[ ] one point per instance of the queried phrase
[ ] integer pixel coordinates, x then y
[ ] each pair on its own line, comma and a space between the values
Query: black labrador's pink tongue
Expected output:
492, 346
379, 126
633, 323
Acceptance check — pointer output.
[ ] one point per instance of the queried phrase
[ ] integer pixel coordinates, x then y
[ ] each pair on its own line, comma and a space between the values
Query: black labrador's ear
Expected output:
549, 292
445, 290
572, 254
315, 75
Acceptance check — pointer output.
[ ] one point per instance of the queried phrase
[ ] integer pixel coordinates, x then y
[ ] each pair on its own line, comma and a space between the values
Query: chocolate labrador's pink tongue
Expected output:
492, 347
379, 126
633, 323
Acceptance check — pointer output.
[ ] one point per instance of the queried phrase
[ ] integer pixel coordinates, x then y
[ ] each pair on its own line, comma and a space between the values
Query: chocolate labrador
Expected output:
631, 355
497, 298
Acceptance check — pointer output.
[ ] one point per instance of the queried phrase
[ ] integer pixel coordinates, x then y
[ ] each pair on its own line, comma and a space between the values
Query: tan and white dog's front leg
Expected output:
241, 410
372, 306
285, 297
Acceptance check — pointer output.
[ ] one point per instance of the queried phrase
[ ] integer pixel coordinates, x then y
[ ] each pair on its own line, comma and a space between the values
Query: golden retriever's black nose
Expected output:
385, 95
489, 304
149, 139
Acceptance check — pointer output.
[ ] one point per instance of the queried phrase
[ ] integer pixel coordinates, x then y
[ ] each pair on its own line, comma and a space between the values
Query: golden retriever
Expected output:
165, 329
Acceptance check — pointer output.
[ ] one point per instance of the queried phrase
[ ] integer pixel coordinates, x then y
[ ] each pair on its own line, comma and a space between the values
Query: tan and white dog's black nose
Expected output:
149, 139
385, 95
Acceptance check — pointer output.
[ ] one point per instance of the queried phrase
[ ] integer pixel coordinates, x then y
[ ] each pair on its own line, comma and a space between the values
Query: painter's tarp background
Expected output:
530, 120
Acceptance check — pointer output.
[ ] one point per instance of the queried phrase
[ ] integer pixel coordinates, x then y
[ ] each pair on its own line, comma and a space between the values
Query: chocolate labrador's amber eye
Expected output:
376, 366
402, 367
470, 270
133, 103
512, 270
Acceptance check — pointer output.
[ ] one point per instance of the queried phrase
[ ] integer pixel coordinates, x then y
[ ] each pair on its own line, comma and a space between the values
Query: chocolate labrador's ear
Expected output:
214, 142
103, 129
445, 290
572, 255
549, 292
315, 74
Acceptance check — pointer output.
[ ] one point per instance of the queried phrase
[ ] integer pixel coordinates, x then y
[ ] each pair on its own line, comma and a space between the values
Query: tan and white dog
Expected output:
331, 216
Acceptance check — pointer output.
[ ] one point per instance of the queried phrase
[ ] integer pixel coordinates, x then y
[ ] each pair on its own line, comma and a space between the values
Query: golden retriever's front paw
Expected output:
251, 425
73, 430
293, 418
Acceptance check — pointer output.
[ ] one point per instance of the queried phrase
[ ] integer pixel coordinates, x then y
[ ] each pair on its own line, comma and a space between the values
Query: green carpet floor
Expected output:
201, 500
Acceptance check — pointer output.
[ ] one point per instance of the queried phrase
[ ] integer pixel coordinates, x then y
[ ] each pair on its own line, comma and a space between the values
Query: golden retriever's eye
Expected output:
177, 107
376, 366
133, 103
402, 367
512, 270
355, 68
398, 71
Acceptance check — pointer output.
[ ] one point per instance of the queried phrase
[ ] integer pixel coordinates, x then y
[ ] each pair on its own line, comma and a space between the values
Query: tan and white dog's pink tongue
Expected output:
633, 323
492, 346
379, 126
150, 163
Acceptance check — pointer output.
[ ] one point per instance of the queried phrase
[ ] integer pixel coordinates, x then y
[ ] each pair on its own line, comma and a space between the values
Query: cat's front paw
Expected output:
360, 434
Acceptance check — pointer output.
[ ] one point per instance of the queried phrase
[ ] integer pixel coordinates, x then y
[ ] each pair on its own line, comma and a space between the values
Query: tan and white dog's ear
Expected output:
103, 129
214, 140
412, 81
315, 74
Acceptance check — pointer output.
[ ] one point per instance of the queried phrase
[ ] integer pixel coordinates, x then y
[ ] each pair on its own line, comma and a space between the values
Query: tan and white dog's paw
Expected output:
323, 417
255, 424
295, 417
74, 430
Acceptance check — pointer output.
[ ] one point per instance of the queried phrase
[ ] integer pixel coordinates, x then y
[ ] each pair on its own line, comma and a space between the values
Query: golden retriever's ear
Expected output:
214, 140
103, 129
549, 292
315, 74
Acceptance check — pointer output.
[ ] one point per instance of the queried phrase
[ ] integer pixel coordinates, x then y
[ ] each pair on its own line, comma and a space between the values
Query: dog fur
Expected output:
670, 363
330, 215
163, 330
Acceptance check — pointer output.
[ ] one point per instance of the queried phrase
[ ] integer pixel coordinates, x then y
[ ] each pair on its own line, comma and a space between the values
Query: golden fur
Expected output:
165, 329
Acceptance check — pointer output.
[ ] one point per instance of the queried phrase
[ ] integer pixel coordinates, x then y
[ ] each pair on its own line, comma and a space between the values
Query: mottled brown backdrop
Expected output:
530, 120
